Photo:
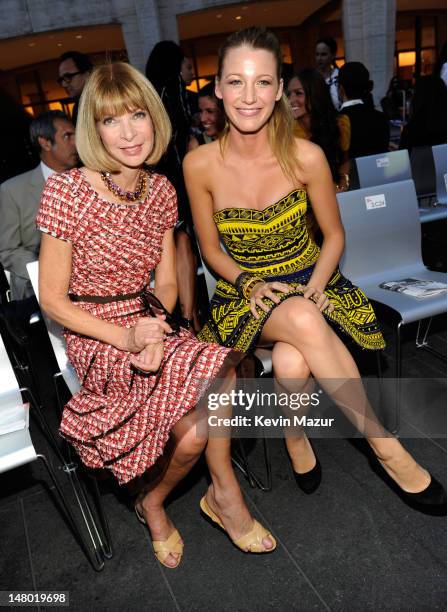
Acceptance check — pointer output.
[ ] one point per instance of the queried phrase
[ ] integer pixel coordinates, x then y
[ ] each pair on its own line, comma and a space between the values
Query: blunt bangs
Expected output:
117, 96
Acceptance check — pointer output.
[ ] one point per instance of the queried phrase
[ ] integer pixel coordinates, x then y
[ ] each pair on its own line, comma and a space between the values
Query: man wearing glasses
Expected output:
74, 70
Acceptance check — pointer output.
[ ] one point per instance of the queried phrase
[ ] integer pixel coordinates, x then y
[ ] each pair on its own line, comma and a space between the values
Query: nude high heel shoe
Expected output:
163, 548
251, 542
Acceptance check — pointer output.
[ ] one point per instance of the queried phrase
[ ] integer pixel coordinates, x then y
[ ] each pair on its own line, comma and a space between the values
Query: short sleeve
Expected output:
170, 206
56, 210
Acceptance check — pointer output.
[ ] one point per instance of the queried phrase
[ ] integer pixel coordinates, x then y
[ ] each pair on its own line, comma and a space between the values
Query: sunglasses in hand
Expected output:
155, 307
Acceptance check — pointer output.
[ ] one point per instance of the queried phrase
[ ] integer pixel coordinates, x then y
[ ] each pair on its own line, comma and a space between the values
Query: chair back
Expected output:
5, 284
383, 168
440, 160
8, 381
383, 231
423, 171
55, 333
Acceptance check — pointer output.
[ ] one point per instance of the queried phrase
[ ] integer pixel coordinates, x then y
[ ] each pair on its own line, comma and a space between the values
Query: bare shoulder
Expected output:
201, 158
310, 156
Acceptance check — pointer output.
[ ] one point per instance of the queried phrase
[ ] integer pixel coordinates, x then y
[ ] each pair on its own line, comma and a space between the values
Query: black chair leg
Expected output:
96, 559
99, 534
105, 537
240, 460
398, 374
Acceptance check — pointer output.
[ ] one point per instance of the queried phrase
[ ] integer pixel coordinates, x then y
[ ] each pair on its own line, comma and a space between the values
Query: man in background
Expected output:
74, 70
52, 136
370, 131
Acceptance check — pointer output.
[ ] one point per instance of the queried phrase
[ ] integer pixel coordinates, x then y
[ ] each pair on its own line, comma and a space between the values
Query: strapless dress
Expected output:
275, 244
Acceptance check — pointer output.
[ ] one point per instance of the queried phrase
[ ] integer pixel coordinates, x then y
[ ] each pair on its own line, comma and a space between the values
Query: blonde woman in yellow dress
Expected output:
277, 286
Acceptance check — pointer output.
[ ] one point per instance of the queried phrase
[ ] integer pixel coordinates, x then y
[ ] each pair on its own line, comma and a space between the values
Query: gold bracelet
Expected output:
249, 284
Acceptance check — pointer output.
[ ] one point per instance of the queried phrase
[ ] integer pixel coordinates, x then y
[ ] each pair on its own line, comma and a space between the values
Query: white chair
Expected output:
383, 168
16, 445
5, 284
66, 370
100, 540
440, 159
383, 243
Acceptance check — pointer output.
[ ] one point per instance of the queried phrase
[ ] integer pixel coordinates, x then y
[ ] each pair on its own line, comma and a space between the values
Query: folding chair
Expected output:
423, 173
264, 357
5, 289
383, 243
100, 537
17, 448
440, 160
383, 168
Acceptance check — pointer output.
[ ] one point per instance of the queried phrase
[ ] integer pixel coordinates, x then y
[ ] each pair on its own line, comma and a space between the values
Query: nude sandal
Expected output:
163, 548
250, 542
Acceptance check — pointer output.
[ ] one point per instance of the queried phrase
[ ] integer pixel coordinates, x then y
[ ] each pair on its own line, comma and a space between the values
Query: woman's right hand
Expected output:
146, 331
265, 290
149, 359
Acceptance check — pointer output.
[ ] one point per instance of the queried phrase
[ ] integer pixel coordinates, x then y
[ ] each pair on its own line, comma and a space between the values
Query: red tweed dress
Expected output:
121, 418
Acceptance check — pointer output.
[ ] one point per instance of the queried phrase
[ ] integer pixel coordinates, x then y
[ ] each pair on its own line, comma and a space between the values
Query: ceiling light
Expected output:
78, 36
238, 17
59, 44
219, 15
31, 44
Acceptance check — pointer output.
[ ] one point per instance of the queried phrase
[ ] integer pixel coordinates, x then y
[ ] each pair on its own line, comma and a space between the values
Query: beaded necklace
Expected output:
125, 196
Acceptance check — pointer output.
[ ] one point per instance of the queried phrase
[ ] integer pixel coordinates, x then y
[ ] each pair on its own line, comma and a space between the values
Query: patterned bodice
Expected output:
270, 242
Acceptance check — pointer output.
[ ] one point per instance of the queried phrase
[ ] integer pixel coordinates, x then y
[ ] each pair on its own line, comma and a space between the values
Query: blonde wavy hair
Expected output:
113, 89
280, 125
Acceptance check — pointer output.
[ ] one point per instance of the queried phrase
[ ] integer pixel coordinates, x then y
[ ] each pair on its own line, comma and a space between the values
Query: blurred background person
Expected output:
212, 117
427, 125
325, 52
370, 131
170, 71
317, 120
74, 70
441, 64
52, 136
393, 102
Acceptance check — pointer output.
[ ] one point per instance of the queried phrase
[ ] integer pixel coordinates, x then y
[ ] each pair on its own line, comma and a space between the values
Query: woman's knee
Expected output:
303, 317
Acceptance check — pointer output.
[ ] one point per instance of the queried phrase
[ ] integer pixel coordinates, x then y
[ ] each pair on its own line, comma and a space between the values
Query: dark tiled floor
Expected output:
353, 545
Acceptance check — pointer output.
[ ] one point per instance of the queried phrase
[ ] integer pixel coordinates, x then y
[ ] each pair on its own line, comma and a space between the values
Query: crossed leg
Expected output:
292, 375
299, 323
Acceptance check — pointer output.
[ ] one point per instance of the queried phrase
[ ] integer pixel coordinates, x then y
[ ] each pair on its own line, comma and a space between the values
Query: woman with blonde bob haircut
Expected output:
120, 87
106, 227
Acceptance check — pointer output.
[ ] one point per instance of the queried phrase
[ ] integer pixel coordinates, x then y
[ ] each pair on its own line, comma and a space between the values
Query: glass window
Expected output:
428, 34
405, 32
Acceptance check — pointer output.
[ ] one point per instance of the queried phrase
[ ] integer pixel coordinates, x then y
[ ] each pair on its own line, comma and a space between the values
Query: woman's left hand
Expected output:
319, 298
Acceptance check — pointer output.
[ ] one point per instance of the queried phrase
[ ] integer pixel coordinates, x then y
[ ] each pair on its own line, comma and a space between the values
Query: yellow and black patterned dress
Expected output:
274, 243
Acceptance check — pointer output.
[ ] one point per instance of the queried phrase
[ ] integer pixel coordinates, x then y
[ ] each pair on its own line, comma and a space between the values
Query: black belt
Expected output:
106, 299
